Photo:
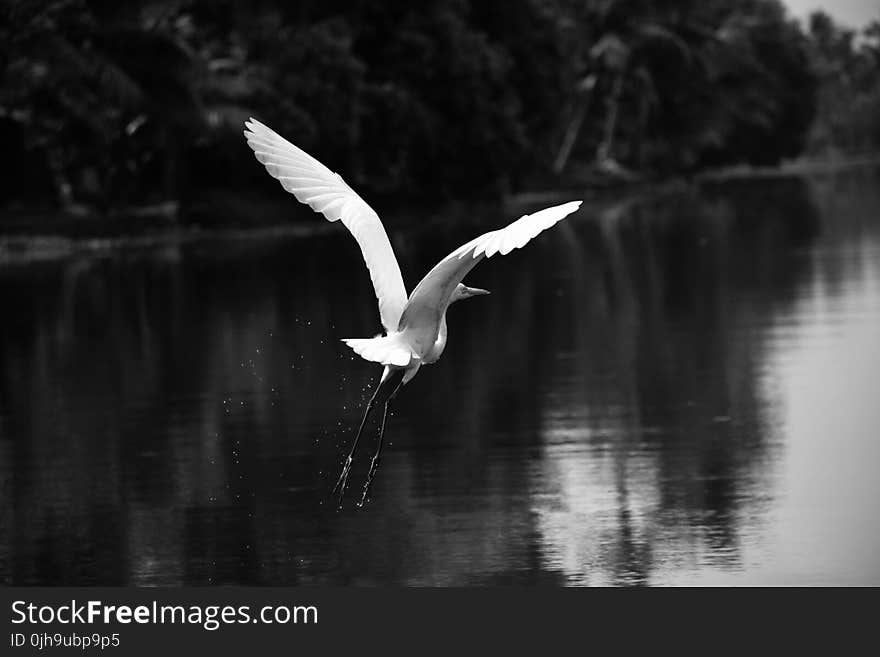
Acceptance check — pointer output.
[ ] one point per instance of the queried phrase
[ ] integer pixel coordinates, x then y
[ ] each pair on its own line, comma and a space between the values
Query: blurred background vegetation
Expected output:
107, 106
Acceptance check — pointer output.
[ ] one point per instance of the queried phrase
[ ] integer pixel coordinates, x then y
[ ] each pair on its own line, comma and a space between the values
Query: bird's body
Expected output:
416, 330
424, 344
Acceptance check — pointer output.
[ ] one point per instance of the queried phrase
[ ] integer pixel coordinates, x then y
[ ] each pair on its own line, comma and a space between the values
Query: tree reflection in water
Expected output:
176, 415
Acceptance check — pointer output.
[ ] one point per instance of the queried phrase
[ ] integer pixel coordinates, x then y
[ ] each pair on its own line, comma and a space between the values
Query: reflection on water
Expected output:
669, 390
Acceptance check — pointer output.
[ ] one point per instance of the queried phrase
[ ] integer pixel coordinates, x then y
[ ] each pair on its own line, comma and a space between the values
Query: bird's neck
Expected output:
439, 343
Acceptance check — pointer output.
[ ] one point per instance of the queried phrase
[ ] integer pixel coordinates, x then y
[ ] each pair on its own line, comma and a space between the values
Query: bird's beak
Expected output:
475, 291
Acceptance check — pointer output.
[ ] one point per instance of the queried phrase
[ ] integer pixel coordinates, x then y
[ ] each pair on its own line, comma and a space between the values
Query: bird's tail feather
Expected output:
387, 350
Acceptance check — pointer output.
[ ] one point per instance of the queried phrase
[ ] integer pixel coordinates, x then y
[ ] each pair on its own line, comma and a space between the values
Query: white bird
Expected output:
415, 327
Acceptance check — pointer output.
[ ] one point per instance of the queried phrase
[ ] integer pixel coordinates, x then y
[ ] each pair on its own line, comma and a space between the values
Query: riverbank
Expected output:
640, 186
800, 167
28, 235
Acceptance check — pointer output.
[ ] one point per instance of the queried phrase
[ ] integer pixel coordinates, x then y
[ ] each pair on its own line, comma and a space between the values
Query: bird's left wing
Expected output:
326, 192
431, 296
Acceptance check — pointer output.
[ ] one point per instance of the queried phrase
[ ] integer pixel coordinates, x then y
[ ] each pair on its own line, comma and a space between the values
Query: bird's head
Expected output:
464, 292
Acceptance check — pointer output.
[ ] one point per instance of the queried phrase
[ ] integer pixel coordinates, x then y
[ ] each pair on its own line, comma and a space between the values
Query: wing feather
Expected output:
431, 296
326, 192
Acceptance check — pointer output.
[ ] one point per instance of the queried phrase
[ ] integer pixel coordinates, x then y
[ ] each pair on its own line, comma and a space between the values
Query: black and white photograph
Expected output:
453, 293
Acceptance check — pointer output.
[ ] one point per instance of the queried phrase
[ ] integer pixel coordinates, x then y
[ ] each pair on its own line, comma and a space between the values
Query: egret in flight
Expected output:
415, 326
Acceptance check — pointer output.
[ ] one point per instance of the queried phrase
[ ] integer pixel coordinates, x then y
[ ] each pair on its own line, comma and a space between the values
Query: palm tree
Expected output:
615, 66
717, 68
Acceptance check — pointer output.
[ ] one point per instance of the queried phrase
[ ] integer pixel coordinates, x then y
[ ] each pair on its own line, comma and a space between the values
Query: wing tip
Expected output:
567, 208
556, 213
255, 129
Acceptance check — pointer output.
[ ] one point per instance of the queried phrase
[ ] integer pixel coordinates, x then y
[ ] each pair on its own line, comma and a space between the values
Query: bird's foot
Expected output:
343, 480
374, 465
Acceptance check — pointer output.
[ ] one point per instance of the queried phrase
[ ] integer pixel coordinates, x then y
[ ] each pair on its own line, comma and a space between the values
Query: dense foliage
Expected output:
111, 104
848, 115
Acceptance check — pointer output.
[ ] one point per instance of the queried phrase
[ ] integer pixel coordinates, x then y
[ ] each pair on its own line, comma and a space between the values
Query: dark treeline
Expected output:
108, 105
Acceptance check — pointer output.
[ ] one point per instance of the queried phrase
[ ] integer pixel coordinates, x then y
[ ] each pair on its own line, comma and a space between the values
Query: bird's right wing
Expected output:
326, 192
431, 296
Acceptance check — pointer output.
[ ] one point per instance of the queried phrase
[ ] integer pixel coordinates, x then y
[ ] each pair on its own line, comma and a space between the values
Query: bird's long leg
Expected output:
377, 457
343, 477
374, 464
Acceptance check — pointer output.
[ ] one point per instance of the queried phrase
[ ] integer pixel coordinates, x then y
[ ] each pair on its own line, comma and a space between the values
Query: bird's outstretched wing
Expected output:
326, 192
431, 296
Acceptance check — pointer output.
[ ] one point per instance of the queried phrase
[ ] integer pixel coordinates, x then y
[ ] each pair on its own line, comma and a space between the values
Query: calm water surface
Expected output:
670, 390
